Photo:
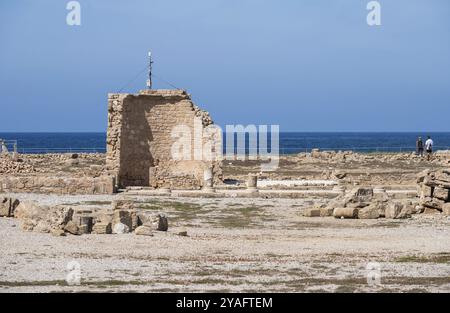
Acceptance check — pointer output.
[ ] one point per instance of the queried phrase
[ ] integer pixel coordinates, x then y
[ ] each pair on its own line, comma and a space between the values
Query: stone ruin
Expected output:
142, 130
434, 191
121, 218
366, 203
373, 203
141, 135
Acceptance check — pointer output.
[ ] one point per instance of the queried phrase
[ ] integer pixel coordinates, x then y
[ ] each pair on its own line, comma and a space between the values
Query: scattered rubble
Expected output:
434, 190
364, 203
60, 220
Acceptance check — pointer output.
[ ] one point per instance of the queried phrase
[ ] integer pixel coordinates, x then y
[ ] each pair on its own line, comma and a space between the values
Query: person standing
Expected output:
419, 146
429, 147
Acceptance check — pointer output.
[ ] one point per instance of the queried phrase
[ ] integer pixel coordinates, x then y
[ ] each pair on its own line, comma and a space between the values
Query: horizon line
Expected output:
286, 131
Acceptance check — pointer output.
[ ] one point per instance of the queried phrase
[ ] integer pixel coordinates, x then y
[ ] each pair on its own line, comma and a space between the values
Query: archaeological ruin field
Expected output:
323, 222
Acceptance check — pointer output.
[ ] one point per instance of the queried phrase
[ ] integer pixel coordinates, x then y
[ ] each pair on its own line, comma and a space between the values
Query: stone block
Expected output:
124, 217
373, 211
144, 231
102, 228
425, 191
433, 203
71, 228
157, 221
120, 228
326, 211
393, 210
345, 212
311, 212
441, 193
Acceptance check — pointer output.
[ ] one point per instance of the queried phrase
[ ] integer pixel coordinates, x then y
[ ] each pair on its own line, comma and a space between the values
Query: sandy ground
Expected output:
234, 245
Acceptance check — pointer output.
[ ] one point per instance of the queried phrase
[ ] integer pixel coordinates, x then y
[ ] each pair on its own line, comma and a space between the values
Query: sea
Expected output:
289, 142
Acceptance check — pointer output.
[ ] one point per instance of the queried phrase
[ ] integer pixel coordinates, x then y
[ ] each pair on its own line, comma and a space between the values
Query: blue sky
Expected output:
307, 65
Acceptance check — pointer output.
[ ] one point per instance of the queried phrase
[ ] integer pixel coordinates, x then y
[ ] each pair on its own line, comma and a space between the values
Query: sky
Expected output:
306, 65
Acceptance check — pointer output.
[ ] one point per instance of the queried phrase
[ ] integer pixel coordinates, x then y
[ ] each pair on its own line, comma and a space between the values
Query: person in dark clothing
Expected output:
419, 146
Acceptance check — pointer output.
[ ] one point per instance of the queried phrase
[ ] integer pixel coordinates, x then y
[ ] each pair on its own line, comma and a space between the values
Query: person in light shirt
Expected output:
429, 147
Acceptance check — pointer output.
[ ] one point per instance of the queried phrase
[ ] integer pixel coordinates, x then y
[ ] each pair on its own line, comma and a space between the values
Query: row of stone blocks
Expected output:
59, 185
364, 203
122, 218
60, 220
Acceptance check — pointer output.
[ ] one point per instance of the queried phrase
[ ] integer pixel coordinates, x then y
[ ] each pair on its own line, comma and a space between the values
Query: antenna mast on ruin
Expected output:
150, 62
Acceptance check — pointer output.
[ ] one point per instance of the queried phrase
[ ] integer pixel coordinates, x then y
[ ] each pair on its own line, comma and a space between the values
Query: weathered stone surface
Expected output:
326, 211
443, 175
381, 196
33, 216
140, 140
425, 191
58, 185
311, 212
393, 210
446, 209
60, 216
5, 204
441, 193
71, 228
102, 228
360, 195
8, 206
104, 216
120, 228
144, 231
134, 220
124, 217
406, 211
83, 229
57, 232
42, 218
345, 212
433, 203
157, 221
422, 175
372, 211
430, 211
84, 222
122, 205
124, 212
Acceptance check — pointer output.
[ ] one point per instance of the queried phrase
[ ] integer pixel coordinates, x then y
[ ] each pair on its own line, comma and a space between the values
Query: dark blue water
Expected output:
290, 142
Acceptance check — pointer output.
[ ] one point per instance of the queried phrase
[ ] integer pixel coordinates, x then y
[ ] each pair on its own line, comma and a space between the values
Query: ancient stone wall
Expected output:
140, 138
58, 185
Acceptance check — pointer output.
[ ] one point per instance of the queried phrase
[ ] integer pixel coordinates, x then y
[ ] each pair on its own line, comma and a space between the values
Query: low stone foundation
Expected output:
58, 185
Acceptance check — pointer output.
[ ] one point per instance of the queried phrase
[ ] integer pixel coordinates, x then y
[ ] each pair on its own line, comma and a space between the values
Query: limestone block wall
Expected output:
139, 139
58, 185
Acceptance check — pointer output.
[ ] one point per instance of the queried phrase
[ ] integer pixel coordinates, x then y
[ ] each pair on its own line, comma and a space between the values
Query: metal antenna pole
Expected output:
150, 62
